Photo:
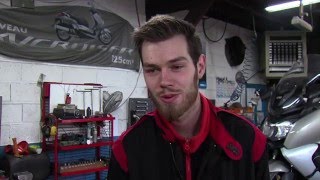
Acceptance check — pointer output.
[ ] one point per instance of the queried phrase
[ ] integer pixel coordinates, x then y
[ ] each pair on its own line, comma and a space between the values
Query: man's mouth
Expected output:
168, 98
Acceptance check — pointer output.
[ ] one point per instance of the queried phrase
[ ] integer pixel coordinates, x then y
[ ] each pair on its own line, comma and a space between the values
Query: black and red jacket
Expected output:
227, 147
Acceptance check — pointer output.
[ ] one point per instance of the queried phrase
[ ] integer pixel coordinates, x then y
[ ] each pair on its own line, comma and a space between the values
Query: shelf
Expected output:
76, 126
84, 171
85, 120
84, 146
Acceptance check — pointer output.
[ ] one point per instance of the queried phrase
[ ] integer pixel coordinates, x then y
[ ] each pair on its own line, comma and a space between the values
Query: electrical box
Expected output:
22, 3
282, 50
137, 108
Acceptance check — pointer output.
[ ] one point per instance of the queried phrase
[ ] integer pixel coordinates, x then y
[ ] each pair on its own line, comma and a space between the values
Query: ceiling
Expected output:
243, 13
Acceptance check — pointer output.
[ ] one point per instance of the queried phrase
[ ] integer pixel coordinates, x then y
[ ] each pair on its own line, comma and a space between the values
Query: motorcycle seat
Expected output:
80, 21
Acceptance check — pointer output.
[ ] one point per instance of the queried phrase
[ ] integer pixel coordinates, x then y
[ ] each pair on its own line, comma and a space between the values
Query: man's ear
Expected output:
201, 65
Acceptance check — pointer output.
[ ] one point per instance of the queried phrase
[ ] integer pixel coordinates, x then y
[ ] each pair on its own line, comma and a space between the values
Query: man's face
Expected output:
170, 75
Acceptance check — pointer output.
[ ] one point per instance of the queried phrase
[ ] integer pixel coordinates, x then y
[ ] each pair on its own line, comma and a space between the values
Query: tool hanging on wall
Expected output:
83, 97
235, 55
247, 53
91, 97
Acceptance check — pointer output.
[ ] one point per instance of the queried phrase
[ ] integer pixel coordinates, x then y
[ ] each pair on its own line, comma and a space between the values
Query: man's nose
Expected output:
165, 78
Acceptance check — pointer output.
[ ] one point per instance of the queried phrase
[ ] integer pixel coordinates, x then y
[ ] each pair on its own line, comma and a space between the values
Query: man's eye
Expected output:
150, 70
177, 67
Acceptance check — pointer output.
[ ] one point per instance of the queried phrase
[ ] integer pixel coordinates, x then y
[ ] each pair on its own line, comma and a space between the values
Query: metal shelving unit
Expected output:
63, 168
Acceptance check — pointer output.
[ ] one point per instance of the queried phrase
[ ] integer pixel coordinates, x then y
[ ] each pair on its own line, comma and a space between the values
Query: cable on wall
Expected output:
311, 14
204, 31
254, 26
247, 71
137, 12
135, 86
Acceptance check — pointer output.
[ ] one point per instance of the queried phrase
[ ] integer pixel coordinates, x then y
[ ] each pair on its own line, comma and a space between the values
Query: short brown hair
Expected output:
163, 27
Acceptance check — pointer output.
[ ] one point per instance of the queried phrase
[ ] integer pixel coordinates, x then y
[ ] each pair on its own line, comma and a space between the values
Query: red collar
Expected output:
171, 135
209, 124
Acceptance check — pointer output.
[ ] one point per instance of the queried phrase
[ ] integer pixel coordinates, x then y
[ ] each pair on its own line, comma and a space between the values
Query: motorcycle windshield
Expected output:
285, 103
313, 87
295, 69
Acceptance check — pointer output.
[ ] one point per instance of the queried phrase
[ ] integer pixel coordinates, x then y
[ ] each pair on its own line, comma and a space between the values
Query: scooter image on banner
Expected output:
67, 25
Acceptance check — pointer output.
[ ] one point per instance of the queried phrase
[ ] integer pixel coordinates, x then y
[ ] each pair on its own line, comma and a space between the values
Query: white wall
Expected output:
21, 95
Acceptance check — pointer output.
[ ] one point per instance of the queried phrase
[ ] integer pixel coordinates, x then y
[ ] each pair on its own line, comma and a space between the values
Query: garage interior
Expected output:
67, 97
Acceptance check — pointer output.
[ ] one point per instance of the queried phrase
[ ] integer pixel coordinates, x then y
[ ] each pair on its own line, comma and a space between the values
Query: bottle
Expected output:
95, 133
88, 112
89, 133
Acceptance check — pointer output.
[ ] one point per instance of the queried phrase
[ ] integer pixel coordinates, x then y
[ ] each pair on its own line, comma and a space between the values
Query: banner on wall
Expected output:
77, 35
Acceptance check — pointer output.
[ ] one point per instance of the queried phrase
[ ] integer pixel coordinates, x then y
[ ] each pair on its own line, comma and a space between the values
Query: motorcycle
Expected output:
67, 25
292, 128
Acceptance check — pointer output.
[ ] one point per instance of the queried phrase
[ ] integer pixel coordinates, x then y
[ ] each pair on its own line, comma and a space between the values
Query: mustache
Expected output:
168, 90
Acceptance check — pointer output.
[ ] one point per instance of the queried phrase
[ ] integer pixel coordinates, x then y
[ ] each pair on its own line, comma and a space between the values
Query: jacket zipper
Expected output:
174, 162
188, 159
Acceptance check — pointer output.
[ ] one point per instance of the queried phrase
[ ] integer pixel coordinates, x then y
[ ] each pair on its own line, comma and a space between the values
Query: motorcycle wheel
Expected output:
105, 36
275, 176
286, 176
63, 35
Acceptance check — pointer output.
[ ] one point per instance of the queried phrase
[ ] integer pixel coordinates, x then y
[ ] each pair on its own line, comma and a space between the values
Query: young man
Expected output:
186, 138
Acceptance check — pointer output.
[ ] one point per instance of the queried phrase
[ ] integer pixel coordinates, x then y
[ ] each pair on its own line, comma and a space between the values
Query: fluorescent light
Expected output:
289, 5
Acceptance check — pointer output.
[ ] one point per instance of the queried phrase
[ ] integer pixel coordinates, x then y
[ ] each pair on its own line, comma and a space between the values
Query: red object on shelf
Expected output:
55, 146
8, 149
68, 99
23, 148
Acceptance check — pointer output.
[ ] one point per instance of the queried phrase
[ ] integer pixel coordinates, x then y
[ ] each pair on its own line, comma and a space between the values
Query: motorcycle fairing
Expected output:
305, 131
277, 166
300, 158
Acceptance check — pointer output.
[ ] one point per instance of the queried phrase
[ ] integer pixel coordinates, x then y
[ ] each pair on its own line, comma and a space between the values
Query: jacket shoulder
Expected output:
131, 138
245, 132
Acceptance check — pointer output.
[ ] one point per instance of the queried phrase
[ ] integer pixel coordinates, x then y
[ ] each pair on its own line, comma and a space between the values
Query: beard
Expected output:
172, 112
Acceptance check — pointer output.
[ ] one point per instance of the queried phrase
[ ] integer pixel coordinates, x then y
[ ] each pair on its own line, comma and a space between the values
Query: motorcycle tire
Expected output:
277, 176
286, 176
105, 36
63, 35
